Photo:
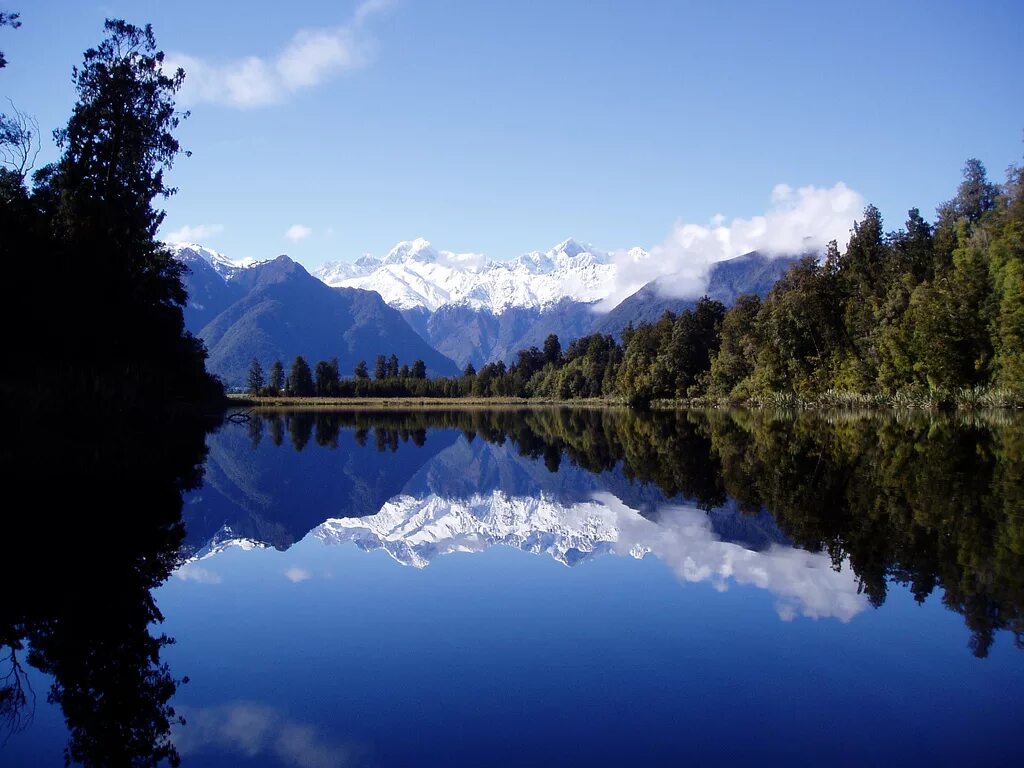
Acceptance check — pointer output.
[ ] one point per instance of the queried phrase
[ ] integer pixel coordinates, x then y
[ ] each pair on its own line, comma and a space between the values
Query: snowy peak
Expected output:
411, 250
415, 275
414, 531
571, 249
191, 252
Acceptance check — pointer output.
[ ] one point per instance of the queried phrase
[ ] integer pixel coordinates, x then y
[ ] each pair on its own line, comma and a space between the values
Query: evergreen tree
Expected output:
256, 380
403, 372
419, 370
380, 370
276, 382
393, 366
739, 347
552, 349
976, 195
300, 379
360, 371
96, 208
470, 370
327, 378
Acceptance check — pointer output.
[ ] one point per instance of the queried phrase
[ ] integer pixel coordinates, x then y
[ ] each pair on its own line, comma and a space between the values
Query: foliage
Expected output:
300, 379
8, 20
256, 379
118, 341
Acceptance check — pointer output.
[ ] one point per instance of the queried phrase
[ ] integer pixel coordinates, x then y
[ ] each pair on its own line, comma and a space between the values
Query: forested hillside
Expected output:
927, 314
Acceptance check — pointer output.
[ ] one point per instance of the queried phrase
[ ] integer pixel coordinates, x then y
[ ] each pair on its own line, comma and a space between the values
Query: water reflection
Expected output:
256, 731
825, 512
103, 530
415, 530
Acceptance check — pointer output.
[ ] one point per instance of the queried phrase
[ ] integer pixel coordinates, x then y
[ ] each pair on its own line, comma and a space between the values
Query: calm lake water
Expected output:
524, 588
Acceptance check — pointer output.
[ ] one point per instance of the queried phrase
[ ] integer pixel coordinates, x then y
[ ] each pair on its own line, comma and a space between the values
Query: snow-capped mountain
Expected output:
414, 275
189, 253
414, 530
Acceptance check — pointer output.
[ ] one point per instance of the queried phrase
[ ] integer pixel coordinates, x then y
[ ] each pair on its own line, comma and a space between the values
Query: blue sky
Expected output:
506, 127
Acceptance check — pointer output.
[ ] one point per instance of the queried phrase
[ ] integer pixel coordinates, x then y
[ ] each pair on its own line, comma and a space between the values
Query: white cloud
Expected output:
797, 221
803, 583
298, 232
193, 234
254, 730
196, 573
311, 57
296, 574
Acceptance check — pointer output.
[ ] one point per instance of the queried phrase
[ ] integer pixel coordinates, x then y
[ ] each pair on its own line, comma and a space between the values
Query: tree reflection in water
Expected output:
102, 530
928, 501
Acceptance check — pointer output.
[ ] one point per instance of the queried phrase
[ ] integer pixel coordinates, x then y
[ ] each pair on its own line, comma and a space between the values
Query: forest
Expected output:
925, 315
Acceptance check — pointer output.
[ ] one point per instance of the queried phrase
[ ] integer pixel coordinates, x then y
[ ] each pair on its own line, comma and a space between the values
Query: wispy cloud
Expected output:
797, 221
194, 233
193, 572
298, 232
253, 731
311, 57
296, 574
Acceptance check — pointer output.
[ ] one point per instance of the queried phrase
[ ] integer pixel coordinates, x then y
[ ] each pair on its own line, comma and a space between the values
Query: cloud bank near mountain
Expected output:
796, 221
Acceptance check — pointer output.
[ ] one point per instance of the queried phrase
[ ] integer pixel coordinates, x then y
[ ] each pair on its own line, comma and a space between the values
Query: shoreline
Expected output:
852, 404
405, 403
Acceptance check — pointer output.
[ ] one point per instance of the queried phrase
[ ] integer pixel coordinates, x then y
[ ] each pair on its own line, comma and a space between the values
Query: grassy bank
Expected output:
417, 402
966, 399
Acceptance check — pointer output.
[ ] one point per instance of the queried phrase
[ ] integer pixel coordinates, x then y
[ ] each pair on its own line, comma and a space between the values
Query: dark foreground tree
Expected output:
116, 338
7, 20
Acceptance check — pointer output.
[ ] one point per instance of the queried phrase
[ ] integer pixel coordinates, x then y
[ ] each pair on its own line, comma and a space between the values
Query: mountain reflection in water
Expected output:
824, 511
824, 515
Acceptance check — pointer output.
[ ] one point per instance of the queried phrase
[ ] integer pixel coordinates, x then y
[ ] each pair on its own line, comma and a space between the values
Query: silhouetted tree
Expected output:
327, 377
300, 379
276, 382
360, 371
419, 370
96, 223
8, 20
380, 369
256, 379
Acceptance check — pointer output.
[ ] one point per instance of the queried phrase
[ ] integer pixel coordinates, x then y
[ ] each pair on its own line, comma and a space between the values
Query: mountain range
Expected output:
464, 308
276, 310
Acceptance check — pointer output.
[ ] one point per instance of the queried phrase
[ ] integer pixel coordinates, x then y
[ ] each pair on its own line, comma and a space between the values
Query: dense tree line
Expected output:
926, 314
389, 380
926, 310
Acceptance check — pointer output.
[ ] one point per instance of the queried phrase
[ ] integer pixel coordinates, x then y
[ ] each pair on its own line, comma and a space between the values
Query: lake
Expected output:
521, 588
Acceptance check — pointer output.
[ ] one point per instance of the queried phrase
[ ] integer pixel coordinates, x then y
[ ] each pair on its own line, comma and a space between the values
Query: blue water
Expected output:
686, 636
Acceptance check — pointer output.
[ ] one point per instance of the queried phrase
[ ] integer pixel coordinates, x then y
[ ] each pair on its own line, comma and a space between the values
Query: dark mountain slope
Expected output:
283, 311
